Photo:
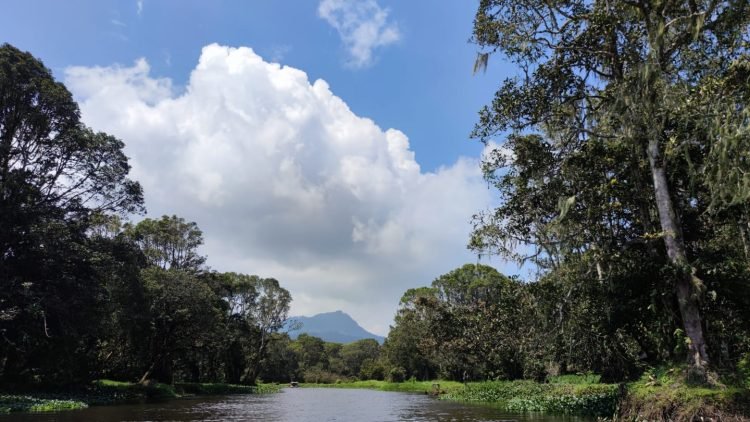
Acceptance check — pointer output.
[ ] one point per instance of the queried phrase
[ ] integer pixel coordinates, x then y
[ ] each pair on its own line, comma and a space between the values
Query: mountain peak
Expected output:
336, 327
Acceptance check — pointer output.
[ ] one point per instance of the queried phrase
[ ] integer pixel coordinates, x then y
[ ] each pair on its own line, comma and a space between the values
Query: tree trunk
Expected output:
235, 364
253, 369
146, 375
160, 371
743, 226
688, 284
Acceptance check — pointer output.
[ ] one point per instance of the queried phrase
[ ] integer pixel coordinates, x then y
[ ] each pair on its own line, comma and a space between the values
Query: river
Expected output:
294, 404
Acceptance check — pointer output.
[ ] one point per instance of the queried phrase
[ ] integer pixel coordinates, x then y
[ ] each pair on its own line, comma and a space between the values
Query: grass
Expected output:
164, 391
113, 383
222, 389
662, 393
404, 387
110, 392
267, 388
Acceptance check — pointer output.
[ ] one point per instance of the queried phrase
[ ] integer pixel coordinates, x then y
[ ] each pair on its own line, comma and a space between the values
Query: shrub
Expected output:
320, 376
214, 388
397, 374
372, 370
529, 396
743, 369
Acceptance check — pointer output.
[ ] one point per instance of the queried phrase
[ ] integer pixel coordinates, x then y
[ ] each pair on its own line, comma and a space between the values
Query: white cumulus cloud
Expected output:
286, 181
362, 25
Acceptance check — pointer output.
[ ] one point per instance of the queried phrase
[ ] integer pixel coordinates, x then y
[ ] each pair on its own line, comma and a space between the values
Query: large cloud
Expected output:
286, 181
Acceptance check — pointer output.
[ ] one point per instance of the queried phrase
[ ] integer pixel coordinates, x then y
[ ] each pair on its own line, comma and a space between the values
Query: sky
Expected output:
324, 143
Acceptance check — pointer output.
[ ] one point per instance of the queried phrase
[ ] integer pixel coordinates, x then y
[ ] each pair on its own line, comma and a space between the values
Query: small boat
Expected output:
294, 384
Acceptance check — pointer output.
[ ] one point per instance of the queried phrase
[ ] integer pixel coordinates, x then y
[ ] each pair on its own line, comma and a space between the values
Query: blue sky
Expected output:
421, 84
412, 73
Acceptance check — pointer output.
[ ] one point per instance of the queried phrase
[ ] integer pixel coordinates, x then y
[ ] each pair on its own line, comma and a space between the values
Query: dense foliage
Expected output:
313, 360
55, 175
620, 156
84, 296
475, 324
622, 171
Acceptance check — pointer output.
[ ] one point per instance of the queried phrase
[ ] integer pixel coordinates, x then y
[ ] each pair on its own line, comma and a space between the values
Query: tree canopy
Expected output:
608, 130
84, 295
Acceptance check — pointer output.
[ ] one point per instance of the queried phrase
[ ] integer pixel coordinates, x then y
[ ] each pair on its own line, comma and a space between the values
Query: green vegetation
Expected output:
619, 155
109, 392
267, 388
575, 379
18, 403
658, 395
125, 391
428, 387
86, 296
743, 371
100, 392
223, 389
312, 360
622, 177
663, 394
582, 398
529, 396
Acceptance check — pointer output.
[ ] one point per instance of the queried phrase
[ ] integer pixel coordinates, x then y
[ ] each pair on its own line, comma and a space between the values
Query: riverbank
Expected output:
108, 392
659, 396
513, 396
662, 394
528, 396
427, 387
626, 402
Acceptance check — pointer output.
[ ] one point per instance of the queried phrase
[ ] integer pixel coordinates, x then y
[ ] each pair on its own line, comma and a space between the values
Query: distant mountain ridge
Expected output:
335, 327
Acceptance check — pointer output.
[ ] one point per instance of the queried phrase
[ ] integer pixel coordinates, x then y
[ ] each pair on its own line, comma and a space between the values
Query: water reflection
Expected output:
298, 404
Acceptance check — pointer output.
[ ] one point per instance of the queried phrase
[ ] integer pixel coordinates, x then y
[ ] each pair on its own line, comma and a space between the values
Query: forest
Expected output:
620, 155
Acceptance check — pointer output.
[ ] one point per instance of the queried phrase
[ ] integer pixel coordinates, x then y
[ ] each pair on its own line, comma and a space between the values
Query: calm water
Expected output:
294, 404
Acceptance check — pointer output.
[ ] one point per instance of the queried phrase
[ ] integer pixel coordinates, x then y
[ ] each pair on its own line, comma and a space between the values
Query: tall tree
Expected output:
183, 316
55, 173
402, 349
355, 354
45, 147
616, 70
258, 308
169, 242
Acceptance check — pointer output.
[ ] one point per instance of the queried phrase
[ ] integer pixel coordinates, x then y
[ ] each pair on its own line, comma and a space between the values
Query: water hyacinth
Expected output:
17, 403
527, 396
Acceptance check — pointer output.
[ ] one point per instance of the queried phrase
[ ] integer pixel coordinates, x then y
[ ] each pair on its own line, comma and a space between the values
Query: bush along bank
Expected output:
207, 389
662, 394
578, 395
109, 392
529, 396
100, 392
